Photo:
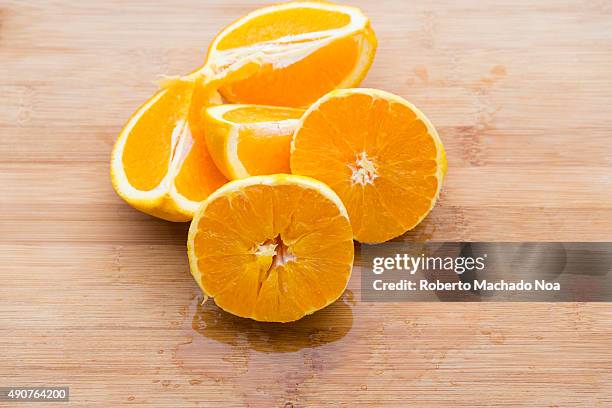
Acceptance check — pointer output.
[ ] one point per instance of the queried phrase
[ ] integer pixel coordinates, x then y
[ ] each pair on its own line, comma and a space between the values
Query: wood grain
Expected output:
97, 296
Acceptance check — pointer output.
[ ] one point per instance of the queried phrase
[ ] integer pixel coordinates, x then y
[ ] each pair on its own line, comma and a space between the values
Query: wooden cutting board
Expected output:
98, 297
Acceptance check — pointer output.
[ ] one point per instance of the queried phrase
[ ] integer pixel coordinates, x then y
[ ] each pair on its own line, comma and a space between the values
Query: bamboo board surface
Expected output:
97, 296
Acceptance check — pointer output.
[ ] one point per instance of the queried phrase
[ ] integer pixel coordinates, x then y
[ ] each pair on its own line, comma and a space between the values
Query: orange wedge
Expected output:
301, 50
271, 248
160, 164
250, 140
378, 152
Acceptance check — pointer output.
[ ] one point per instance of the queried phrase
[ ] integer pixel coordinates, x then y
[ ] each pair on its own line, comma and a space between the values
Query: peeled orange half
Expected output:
249, 140
160, 163
379, 153
301, 50
271, 248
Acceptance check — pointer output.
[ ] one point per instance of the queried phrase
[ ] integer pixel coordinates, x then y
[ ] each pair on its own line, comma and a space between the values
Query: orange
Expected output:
250, 140
160, 163
287, 54
301, 50
271, 248
378, 152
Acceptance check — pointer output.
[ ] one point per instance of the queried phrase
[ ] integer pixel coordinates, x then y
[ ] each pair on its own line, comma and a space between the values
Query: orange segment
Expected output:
270, 26
302, 82
160, 164
198, 176
148, 150
303, 49
248, 140
378, 152
272, 248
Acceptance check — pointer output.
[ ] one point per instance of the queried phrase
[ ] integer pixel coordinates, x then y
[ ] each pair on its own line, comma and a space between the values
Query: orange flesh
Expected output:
273, 26
148, 149
265, 154
198, 176
310, 269
264, 147
377, 155
301, 83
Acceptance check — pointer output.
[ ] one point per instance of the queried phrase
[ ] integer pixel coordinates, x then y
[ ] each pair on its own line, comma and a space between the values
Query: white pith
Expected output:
266, 250
276, 250
364, 170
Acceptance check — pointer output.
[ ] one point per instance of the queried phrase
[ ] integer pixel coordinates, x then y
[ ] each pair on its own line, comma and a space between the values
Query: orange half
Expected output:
378, 152
271, 248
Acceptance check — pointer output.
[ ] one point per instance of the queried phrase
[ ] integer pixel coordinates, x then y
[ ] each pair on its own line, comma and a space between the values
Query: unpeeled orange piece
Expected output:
301, 50
160, 163
271, 248
249, 140
287, 55
378, 152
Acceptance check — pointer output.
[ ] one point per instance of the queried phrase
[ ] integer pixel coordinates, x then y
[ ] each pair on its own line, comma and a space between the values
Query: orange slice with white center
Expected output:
271, 248
378, 152
302, 50
250, 140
